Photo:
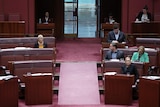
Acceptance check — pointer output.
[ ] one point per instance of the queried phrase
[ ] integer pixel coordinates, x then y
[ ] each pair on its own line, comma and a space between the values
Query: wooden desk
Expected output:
131, 37
118, 89
46, 29
149, 93
12, 28
38, 89
106, 27
152, 27
9, 55
9, 93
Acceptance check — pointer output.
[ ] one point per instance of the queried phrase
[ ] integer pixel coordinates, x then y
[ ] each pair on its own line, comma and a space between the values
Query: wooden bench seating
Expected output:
106, 45
153, 54
19, 68
25, 42
115, 66
148, 42
26, 54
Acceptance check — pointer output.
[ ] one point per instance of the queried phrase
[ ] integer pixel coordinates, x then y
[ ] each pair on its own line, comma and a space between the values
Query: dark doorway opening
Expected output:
42, 6
111, 6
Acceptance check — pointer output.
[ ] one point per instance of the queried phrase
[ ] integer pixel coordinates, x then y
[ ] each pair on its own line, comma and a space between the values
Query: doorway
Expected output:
80, 18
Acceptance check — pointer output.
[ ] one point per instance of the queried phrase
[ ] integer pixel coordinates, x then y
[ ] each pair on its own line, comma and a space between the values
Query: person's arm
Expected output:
36, 45
146, 57
123, 70
106, 56
124, 38
133, 57
149, 16
109, 40
122, 55
45, 45
139, 16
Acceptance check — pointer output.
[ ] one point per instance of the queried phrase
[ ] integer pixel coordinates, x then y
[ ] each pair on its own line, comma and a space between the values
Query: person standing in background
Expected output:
144, 15
47, 18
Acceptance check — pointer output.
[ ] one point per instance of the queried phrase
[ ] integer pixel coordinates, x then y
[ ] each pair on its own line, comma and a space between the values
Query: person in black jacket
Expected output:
129, 68
40, 42
144, 15
47, 18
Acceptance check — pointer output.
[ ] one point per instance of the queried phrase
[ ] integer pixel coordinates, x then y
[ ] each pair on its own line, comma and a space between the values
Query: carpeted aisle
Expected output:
78, 84
78, 50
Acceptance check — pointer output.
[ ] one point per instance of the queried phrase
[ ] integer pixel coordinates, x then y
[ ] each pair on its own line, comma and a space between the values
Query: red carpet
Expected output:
78, 50
78, 84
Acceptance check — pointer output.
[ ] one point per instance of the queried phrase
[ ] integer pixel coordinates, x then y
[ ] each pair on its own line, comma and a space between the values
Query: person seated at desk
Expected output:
109, 19
113, 53
46, 19
116, 35
141, 55
144, 15
129, 68
40, 42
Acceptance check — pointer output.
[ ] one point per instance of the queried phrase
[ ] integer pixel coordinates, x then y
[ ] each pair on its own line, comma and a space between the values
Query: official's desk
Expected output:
152, 27
46, 29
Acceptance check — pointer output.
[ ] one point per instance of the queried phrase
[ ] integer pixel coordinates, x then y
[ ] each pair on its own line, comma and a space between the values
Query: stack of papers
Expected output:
6, 77
22, 48
41, 74
110, 73
151, 77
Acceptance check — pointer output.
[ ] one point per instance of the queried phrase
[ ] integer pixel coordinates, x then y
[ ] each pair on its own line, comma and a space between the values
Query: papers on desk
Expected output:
18, 48
6, 77
110, 73
151, 77
137, 21
149, 49
40, 74
115, 60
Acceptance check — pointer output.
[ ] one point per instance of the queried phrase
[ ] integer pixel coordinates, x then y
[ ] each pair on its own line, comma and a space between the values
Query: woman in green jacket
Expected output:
141, 55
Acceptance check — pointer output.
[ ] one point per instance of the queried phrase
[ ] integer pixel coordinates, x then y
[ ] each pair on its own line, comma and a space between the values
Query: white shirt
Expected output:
144, 18
117, 35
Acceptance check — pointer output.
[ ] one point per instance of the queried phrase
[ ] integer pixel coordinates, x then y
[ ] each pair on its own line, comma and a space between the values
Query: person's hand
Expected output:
114, 41
123, 42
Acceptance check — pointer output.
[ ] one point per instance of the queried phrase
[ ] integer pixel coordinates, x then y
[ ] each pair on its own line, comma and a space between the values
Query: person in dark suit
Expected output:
113, 53
47, 19
129, 68
116, 35
40, 42
144, 15
110, 19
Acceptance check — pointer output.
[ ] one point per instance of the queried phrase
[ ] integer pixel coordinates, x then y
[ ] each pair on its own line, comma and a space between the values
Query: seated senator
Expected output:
144, 15
129, 68
46, 19
113, 53
141, 55
40, 42
110, 19
116, 35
